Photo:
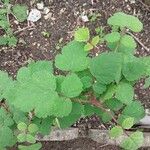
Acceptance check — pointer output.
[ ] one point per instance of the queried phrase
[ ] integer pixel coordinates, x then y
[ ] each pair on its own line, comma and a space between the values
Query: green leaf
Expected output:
86, 78
21, 137
123, 20
147, 83
113, 104
107, 67
128, 123
44, 125
3, 40
134, 110
19, 116
125, 93
134, 141
12, 41
4, 24
71, 86
82, 34
20, 12
22, 126
112, 37
88, 47
36, 146
41, 65
5, 118
111, 90
59, 80
106, 117
3, 11
5, 84
128, 44
30, 138
116, 132
99, 88
6, 137
132, 72
73, 57
77, 111
95, 40
33, 128
31, 89
146, 61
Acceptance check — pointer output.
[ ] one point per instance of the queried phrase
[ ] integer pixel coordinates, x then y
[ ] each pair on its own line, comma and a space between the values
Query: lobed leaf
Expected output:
71, 86
107, 67
134, 141
73, 57
123, 20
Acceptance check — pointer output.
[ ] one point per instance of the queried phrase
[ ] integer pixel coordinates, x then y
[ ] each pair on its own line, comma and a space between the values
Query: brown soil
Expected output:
64, 19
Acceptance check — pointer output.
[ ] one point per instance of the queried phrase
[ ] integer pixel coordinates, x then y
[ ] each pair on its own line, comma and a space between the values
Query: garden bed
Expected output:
64, 18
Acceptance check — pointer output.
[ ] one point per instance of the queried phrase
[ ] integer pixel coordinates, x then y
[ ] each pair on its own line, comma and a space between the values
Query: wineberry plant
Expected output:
39, 100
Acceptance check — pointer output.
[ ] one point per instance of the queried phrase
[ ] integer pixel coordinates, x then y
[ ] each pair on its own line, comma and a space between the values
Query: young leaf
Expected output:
30, 138
134, 141
123, 20
22, 126
125, 93
20, 12
112, 37
128, 123
33, 128
82, 34
21, 137
71, 86
107, 67
88, 47
95, 40
73, 57
116, 132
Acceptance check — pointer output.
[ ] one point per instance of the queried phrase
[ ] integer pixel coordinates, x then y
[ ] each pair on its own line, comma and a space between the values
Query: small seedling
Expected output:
45, 34
19, 12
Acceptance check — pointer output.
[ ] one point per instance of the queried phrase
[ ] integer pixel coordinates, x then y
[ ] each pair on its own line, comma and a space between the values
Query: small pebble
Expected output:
48, 16
85, 18
40, 6
46, 10
34, 15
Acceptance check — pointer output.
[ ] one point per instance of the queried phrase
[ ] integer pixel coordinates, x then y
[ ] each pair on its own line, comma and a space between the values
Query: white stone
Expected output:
34, 15
40, 6
48, 16
85, 18
46, 10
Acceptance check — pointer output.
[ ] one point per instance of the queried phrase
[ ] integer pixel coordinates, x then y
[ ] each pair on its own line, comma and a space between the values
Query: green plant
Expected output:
38, 99
19, 12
